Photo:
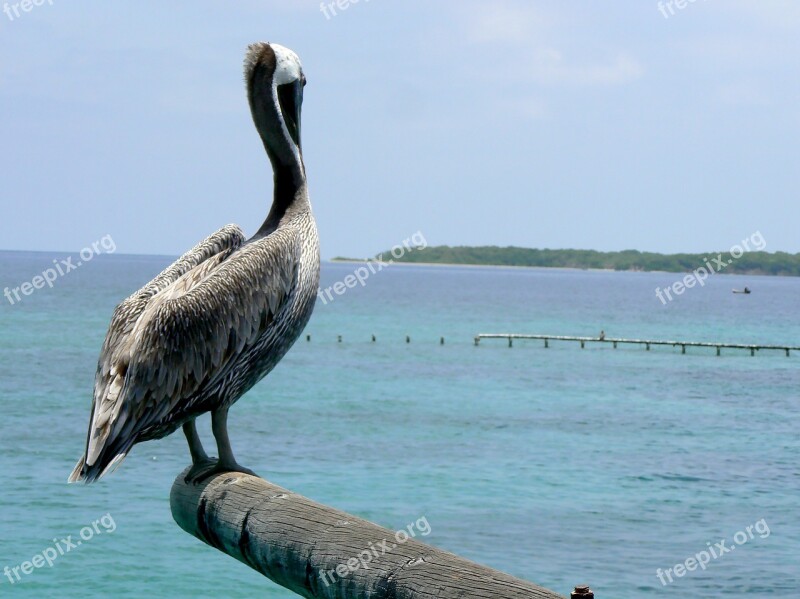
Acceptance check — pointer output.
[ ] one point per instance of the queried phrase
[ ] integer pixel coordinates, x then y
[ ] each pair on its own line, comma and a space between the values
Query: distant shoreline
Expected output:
746, 259
570, 268
451, 264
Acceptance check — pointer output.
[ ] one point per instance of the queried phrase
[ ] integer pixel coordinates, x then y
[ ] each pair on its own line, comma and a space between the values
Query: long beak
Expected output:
290, 97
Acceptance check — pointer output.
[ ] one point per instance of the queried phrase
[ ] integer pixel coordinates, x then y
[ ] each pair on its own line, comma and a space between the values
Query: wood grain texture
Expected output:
299, 544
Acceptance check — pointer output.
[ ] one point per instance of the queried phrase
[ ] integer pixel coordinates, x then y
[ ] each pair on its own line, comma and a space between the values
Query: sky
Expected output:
630, 124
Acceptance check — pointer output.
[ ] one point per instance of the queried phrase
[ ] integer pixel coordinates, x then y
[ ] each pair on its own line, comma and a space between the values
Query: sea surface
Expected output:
561, 466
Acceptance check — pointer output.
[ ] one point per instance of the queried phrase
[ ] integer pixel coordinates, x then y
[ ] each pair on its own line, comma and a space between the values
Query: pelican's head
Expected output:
275, 81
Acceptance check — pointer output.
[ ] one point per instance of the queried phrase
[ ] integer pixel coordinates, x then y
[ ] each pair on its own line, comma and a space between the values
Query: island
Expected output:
749, 263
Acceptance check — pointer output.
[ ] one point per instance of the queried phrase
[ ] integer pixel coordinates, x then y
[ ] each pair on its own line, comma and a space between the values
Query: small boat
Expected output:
746, 290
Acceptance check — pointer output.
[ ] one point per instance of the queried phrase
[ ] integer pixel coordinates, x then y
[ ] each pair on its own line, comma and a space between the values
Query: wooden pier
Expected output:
646, 342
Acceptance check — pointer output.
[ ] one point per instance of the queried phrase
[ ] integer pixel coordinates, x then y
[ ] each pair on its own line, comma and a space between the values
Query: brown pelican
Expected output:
208, 328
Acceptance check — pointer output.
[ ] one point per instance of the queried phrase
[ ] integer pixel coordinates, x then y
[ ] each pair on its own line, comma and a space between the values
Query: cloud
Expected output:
551, 68
503, 22
527, 42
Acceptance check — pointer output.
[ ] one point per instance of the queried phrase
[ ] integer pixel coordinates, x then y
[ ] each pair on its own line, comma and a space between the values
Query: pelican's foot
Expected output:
208, 468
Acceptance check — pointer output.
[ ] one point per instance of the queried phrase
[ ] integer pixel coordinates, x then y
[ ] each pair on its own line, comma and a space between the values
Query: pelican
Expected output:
204, 331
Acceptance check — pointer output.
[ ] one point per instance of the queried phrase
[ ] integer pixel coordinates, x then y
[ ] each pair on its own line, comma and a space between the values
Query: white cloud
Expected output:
503, 22
550, 67
526, 42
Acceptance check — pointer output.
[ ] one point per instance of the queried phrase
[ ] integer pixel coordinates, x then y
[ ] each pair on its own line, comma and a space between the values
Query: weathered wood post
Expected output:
317, 551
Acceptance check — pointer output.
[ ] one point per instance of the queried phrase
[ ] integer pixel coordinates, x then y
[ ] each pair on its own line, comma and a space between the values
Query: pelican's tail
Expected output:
90, 474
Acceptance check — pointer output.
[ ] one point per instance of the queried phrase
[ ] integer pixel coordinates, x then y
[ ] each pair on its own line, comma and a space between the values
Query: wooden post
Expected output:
582, 344
546, 344
615, 345
683, 349
718, 350
510, 342
319, 552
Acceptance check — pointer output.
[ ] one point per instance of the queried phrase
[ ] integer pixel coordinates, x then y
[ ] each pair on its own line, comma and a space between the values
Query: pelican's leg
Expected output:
226, 462
200, 460
195, 445
219, 426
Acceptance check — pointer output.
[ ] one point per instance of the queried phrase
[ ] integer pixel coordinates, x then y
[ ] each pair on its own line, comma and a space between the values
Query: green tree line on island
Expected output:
766, 263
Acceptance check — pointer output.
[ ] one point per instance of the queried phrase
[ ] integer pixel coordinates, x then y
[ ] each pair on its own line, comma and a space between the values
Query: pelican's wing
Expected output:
108, 378
127, 313
188, 337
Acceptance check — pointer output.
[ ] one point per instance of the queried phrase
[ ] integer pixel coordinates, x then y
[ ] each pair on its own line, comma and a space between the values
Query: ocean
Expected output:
561, 466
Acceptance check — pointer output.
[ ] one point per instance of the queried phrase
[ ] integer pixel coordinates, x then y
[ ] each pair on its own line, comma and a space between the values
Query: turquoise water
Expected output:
559, 465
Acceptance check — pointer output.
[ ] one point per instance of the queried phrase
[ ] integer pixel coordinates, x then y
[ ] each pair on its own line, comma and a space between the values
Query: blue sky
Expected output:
561, 124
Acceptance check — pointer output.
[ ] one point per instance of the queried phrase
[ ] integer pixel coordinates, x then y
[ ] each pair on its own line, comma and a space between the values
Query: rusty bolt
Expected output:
582, 592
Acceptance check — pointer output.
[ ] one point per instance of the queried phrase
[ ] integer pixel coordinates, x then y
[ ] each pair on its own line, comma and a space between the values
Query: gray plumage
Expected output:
209, 327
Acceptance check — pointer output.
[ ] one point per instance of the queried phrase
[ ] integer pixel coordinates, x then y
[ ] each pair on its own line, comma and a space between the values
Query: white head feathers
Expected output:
287, 64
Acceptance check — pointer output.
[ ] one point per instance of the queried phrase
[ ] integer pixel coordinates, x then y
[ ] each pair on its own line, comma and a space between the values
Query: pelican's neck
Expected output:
291, 193
290, 197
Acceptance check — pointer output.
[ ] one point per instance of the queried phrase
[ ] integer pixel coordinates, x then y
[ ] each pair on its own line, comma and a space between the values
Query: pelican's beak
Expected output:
290, 97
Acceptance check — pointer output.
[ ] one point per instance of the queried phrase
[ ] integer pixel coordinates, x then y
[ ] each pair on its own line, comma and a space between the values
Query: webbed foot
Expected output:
207, 468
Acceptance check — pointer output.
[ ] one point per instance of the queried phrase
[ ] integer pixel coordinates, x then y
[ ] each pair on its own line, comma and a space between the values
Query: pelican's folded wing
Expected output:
188, 337
127, 313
